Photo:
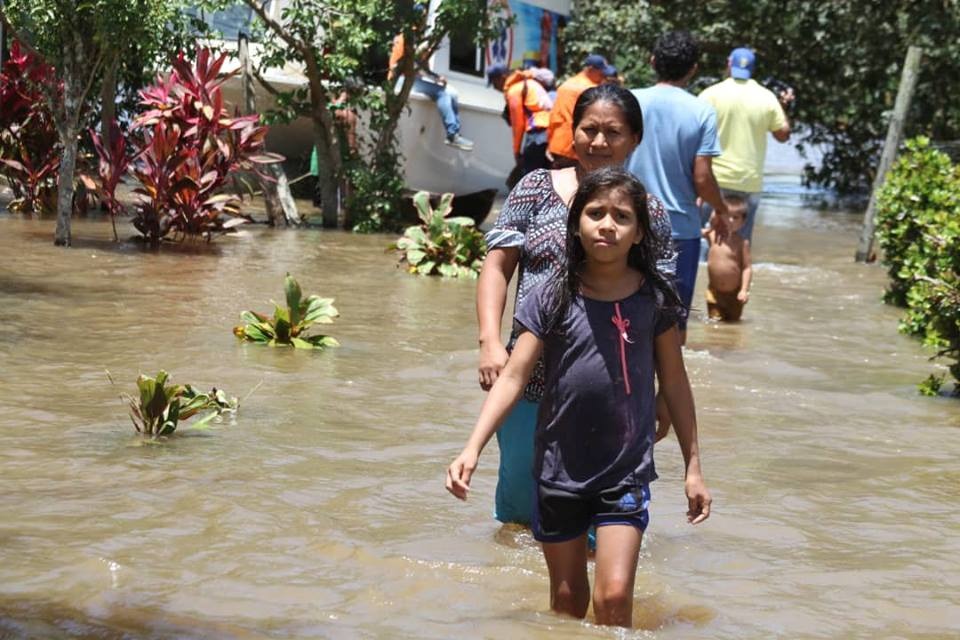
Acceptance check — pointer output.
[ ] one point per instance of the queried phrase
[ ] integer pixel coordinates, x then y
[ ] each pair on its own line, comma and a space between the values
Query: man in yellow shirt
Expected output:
746, 111
560, 130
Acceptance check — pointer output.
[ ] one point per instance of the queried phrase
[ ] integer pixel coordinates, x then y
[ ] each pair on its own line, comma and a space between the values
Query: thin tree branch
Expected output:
276, 27
94, 70
18, 36
272, 90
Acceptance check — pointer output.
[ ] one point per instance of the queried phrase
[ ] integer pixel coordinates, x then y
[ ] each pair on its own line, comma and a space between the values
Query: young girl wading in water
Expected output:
604, 326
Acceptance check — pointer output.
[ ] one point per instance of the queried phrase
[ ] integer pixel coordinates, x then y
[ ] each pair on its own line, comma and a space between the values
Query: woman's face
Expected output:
603, 138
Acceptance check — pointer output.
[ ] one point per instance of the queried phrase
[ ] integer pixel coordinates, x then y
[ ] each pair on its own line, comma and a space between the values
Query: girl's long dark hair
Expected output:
564, 287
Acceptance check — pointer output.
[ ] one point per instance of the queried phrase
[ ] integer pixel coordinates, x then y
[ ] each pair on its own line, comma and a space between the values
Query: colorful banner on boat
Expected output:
531, 40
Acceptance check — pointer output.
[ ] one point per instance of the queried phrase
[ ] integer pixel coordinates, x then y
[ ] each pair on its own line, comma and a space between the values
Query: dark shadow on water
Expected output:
135, 244
31, 619
14, 284
132, 244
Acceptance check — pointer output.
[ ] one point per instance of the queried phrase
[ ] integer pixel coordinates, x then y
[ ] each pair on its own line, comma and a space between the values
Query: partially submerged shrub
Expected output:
289, 324
185, 151
160, 407
450, 247
918, 227
112, 163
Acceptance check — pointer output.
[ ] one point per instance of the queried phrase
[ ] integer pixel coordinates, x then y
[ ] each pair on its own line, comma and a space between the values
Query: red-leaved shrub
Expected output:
29, 146
184, 150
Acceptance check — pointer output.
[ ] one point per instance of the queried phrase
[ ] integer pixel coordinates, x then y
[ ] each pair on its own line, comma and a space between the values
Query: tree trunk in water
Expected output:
67, 118
328, 179
108, 102
68, 165
281, 207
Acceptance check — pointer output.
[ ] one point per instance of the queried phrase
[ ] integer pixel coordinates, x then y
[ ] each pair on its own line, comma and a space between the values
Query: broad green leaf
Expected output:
446, 205
416, 234
448, 270
421, 200
320, 310
292, 289
203, 423
148, 388
259, 333
280, 314
324, 341
414, 256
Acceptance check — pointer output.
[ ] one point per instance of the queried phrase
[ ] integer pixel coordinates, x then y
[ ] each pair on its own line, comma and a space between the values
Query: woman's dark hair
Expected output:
614, 94
565, 286
674, 55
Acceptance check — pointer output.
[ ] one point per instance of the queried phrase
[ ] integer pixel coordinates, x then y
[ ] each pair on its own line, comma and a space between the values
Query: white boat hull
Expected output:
431, 164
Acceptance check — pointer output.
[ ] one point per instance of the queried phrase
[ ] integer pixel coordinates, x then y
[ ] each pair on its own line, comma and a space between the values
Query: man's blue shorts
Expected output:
688, 261
515, 486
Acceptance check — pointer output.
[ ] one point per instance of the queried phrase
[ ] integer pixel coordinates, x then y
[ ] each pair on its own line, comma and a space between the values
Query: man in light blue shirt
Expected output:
674, 159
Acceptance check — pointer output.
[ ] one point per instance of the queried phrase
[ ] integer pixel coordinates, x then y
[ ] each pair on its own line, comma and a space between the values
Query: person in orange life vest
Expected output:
528, 111
560, 130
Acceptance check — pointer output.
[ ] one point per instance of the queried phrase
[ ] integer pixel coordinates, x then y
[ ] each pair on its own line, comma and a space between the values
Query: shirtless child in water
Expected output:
728, 265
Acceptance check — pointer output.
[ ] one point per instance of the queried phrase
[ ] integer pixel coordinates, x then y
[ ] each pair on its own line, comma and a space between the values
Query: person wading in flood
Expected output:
602, 326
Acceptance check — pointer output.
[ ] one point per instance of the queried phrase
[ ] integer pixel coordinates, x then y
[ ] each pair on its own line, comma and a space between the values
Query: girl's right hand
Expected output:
459, 473
698, 499
493, 357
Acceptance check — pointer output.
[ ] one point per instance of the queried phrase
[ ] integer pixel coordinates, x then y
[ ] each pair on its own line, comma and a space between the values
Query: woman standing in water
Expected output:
530, 234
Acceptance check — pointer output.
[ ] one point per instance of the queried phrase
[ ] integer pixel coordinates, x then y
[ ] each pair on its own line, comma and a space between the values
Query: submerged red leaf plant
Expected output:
186, 150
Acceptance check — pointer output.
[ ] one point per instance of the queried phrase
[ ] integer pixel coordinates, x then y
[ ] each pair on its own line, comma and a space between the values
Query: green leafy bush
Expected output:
918, 227
289, 324
449, 247
374, 200
159, 408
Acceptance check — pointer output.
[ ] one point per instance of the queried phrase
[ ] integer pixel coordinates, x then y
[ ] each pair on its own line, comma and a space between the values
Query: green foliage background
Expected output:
842, 57
142, 34
918, 228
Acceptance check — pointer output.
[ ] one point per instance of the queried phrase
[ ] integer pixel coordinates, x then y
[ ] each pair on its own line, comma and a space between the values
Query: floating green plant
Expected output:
289, 324
449, 247
161, 407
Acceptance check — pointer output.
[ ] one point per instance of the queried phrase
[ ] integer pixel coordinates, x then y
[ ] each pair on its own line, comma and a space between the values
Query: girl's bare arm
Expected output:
501, 399
675, 387
498, 268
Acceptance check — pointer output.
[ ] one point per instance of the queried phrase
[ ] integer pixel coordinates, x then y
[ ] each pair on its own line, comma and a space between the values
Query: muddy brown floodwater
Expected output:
319, 511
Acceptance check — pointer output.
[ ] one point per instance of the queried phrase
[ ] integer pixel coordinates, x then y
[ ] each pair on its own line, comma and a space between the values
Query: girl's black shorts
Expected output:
559, 515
